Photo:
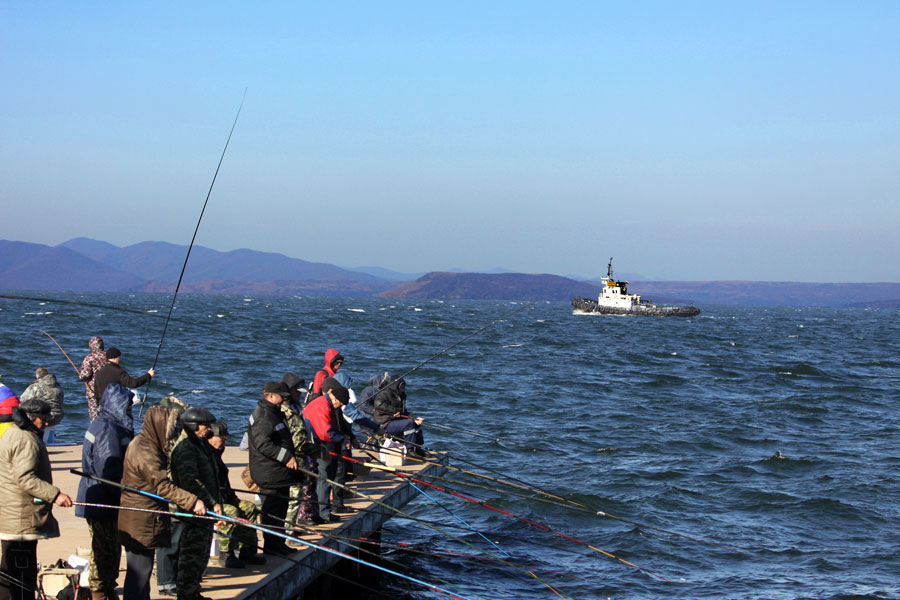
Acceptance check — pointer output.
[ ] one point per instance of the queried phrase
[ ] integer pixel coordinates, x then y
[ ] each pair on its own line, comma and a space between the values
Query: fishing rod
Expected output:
112, 308
282, 535
67, 357
190, 247
457, 494
427, 524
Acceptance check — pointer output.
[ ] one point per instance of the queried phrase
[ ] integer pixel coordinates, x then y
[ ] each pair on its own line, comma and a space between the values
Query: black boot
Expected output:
249, 556
230, 561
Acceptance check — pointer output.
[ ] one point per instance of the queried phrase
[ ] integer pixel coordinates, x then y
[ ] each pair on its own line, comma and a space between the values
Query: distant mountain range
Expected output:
84, 264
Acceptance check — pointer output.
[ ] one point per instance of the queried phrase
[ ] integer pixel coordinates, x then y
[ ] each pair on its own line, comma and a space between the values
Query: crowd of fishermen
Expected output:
296, 437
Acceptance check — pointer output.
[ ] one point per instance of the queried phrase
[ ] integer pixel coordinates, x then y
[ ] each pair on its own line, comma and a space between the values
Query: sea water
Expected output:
770, 435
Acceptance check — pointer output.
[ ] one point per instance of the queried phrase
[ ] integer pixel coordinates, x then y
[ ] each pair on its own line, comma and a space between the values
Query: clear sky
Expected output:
689, 140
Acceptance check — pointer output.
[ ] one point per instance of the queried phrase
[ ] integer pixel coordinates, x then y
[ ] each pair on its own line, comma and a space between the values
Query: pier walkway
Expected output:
278, 579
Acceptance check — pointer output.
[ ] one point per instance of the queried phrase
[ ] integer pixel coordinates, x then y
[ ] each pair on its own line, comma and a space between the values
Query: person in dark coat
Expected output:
103, 455
146, 468
273, 464
27, 496
113, 372
390, 414
193, 468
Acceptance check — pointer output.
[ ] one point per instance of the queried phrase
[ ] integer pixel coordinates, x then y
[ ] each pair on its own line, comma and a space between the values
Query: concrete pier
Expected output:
278, 579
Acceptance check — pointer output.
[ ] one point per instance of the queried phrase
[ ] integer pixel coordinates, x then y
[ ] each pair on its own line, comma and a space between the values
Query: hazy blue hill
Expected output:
26, 266
504, 286
94, 249
163, 261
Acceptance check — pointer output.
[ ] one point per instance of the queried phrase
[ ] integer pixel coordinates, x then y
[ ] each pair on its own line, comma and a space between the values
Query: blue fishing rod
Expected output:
246, 523
190, 247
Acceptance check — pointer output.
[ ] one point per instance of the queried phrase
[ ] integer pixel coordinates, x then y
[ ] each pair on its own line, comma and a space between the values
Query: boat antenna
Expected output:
609, 269
196, 229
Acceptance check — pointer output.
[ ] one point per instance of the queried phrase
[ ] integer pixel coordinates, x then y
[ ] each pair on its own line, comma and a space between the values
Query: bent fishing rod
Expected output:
190, 247
270, 531
67, 358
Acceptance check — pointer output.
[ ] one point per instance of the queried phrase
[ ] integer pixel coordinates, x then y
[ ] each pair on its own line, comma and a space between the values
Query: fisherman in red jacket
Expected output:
333, 362
322, 417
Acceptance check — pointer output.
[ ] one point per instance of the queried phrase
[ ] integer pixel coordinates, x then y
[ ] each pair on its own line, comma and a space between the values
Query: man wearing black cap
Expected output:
27, 494
321, 415
193, 468
112, 371
273, 465
237, 544
302, 505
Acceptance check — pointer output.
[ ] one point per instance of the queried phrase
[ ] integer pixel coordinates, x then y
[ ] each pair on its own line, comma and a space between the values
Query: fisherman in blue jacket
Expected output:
102, 455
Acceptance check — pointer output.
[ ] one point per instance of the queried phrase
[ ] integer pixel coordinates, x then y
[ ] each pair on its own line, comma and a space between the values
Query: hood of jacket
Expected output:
330, 355
117, 400
162, 427
96, 344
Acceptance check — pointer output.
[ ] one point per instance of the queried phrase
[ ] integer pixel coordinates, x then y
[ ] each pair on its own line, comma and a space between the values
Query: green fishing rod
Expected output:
190, 247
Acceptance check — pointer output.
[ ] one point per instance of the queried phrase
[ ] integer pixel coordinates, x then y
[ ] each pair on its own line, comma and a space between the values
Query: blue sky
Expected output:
690, 140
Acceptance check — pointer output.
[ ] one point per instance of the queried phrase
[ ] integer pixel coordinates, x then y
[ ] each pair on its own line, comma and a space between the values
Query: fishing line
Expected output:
432, 527
282, 535
114, 308
571, 504
458, 518
191, 246
405, 476
187, 518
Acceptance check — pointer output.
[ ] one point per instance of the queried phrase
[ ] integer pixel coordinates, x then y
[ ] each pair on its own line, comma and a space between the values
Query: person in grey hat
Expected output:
27, 496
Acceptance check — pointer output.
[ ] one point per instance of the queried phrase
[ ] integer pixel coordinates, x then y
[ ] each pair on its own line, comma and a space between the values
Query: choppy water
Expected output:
772, 431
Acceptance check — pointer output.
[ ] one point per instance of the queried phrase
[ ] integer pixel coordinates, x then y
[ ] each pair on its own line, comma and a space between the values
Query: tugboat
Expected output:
614, 299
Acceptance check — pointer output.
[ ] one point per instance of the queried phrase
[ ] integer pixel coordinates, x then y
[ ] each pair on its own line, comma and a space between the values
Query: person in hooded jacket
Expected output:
366, 403
333, 362
92, 363
8, 401
27, 496
273, 463
46, 388
146, 468
103, 455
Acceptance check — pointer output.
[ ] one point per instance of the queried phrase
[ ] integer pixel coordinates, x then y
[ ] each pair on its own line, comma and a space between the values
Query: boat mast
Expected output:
609, 269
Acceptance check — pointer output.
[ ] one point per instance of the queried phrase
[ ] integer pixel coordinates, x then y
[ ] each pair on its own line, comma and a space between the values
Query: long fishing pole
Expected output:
282, 535
67, 357
191, 246
457, 494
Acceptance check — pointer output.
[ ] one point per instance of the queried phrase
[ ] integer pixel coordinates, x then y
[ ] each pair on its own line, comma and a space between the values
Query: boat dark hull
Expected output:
586, 305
